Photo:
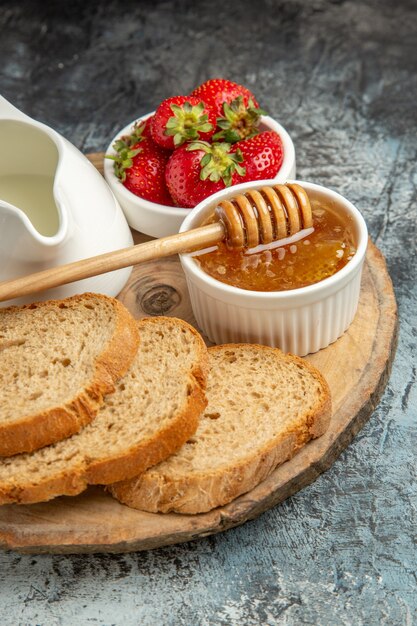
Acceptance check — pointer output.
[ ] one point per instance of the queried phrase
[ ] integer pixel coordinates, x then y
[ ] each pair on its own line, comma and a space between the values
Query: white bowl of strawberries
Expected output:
163, 164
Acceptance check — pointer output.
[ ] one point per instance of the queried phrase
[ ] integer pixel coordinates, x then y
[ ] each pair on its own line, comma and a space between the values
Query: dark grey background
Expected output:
341, 77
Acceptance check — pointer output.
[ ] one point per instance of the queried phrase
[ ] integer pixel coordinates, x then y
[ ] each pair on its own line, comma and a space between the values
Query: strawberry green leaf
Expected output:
230, 135
238, 121
187, 122
218, 163
126, 149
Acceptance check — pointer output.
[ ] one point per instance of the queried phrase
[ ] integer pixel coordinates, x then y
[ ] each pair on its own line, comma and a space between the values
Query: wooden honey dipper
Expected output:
244, 221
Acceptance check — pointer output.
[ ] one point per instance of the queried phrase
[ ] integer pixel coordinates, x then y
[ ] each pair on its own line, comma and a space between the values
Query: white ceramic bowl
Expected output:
300, 320
158, 220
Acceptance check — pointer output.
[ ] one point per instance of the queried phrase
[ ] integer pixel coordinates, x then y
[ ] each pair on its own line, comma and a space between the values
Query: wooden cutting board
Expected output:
356, 366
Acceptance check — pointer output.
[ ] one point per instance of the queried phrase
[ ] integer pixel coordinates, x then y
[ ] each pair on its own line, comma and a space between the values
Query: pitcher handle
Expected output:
8, 111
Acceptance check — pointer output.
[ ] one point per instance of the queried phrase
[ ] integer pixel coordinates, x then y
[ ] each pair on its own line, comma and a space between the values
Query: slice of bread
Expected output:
263, 406
152, 413
57, 361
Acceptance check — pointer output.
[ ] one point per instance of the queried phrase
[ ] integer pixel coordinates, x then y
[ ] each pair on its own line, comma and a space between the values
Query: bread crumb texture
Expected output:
262, 407
57, 361
154, 409
51, 350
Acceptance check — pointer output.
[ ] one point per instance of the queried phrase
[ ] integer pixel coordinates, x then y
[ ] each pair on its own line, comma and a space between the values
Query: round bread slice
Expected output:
263, 406
154, 410
58, 359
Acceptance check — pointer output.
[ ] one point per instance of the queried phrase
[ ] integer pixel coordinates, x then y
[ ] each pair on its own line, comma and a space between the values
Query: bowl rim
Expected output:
330, 283
170, 211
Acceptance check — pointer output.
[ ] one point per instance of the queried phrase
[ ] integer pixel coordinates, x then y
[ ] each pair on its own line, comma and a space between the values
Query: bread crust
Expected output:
32, 432
168, 440
203, 491
138, 457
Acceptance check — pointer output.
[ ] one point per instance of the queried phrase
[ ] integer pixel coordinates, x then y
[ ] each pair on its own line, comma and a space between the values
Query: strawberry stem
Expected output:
187, 122
126, 148
218, 163
239, 121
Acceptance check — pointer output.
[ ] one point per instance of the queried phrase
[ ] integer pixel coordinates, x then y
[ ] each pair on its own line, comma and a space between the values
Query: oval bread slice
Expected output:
263, 406
154, 410
58, 359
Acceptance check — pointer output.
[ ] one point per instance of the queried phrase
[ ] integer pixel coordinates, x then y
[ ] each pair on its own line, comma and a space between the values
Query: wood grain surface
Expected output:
356, 366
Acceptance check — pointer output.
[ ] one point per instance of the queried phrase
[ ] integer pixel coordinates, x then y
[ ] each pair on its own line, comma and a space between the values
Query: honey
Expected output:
298, 261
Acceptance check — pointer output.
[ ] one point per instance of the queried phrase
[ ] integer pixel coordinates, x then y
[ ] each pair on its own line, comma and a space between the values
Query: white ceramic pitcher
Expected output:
55, 207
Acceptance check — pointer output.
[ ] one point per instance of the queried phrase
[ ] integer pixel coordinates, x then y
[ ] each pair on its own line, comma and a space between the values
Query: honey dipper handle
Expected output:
188, 241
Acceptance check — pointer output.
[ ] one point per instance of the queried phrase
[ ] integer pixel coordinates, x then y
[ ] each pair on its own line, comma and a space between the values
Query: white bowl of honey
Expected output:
299, 293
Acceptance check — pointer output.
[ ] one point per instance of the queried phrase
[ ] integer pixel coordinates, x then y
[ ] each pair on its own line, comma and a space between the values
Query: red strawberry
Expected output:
262, 155
180, 119
216, 91
145, 127
140, 165
199, 169
237, 110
